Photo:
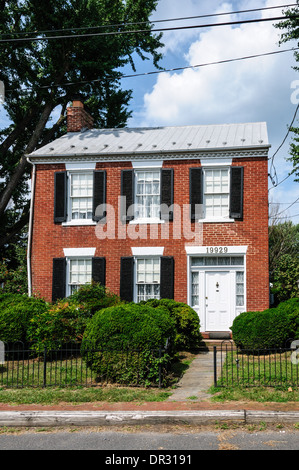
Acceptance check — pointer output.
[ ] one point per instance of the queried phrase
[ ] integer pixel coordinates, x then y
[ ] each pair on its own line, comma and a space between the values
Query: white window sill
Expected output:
148, 220
73, 223
216, 220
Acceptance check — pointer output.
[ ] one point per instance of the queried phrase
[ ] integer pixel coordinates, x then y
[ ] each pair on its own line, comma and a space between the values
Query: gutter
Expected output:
30, 228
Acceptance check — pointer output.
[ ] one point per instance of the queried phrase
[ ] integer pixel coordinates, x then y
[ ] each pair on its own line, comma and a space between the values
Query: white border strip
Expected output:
147, 250
76, 252
143, 164
70, 166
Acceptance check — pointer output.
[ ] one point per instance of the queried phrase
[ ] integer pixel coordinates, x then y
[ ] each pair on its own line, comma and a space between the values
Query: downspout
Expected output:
30, 229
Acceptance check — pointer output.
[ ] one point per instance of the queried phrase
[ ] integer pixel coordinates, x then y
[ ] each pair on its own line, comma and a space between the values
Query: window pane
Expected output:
147, 194
81, 189
148, 278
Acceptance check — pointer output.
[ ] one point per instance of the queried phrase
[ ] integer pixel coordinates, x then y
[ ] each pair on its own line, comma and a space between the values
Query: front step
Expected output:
208, 344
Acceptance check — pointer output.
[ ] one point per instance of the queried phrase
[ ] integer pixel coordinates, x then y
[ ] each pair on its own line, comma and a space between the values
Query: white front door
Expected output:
217, 300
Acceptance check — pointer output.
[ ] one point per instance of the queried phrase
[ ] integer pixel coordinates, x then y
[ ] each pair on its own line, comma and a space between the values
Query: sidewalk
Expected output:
189, 404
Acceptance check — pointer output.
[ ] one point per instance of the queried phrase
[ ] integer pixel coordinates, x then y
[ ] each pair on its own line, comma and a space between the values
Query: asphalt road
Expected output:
132, 444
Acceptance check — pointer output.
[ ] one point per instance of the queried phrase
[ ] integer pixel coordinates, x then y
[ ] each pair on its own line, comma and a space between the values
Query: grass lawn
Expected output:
257, 377
81, 395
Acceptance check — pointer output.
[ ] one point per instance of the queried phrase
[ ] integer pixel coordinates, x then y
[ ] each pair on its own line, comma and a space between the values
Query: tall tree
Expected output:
49, 51
290, 26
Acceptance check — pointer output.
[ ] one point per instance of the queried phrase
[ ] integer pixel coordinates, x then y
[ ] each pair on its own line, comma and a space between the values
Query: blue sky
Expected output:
258, 89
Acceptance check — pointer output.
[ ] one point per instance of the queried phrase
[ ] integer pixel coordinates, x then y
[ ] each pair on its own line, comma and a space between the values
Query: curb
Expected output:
108, 418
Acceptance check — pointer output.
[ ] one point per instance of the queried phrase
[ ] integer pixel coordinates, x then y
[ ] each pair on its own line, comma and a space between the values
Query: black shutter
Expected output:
167, 277
236, 192
99, 270
166, 194
196, 193
60, 197
127, 278
59, 279
127, 190
99, 195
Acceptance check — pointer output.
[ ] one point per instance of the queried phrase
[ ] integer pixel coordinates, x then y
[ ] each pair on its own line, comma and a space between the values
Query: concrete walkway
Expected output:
197, 380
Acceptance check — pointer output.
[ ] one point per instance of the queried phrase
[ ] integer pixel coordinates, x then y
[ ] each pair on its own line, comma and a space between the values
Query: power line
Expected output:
281, 212
285, 217
174, 28
154, 72
118, 25
273, 156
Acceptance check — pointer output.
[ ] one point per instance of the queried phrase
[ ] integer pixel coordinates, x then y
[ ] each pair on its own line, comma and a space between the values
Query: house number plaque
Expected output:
217, 249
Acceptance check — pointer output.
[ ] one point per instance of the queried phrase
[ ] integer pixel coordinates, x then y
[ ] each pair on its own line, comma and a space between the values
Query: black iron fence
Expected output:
71, 365
248, 367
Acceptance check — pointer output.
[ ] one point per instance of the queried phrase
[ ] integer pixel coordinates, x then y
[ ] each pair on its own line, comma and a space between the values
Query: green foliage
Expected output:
187, 324
16, 313
271, 328
285, 277
63, 322
41, 76
14, 278
290, 28
137, 329
93, 297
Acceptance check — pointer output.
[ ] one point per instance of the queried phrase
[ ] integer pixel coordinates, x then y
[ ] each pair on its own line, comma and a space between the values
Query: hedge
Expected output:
186, 320
16, 313
123, 338
271, 328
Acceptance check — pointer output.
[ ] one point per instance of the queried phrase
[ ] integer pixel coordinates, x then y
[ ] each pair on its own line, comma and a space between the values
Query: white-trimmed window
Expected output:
79, 273
216, 193
147, 194
147, 278
240, 299
80, 195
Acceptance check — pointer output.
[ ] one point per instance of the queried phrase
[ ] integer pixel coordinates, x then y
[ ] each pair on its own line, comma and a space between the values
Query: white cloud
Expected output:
225, 92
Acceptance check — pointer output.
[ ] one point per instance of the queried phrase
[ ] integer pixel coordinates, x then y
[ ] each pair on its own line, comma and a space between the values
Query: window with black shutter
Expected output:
166, 194
167, 277
99, 195
60, 197
99, 270
127, 193
59, 279
196, 193
127, 278
236, 192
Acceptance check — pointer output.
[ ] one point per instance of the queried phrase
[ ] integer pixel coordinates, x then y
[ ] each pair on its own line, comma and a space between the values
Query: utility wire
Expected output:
281, 212
174, 28
118, 25
154, 72
272, 158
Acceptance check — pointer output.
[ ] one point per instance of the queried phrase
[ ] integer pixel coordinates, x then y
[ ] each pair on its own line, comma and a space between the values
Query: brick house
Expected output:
168, 212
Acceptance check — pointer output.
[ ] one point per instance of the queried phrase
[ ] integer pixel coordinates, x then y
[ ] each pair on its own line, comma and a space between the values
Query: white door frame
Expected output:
234, 310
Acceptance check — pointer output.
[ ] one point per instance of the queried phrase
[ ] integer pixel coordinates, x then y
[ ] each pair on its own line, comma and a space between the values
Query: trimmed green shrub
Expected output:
93, 297
271, 328
63, 322
187, 324
124, 337
16, 313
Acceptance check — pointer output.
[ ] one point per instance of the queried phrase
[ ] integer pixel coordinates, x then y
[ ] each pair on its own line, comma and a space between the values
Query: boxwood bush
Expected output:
186, 320
63, 322
16, 313
271, 328
123, 338
93, 297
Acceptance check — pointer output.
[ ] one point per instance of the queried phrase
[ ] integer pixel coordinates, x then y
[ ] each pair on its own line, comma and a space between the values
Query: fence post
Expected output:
160, 368
45, 367
215, 365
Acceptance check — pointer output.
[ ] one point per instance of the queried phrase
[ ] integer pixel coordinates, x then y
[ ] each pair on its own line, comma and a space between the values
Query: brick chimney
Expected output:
77, 117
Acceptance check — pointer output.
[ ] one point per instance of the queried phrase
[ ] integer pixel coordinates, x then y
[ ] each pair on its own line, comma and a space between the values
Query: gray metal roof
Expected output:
135, 141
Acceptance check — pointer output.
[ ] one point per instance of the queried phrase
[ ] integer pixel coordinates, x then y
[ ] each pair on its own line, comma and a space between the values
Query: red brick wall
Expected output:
49, 239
